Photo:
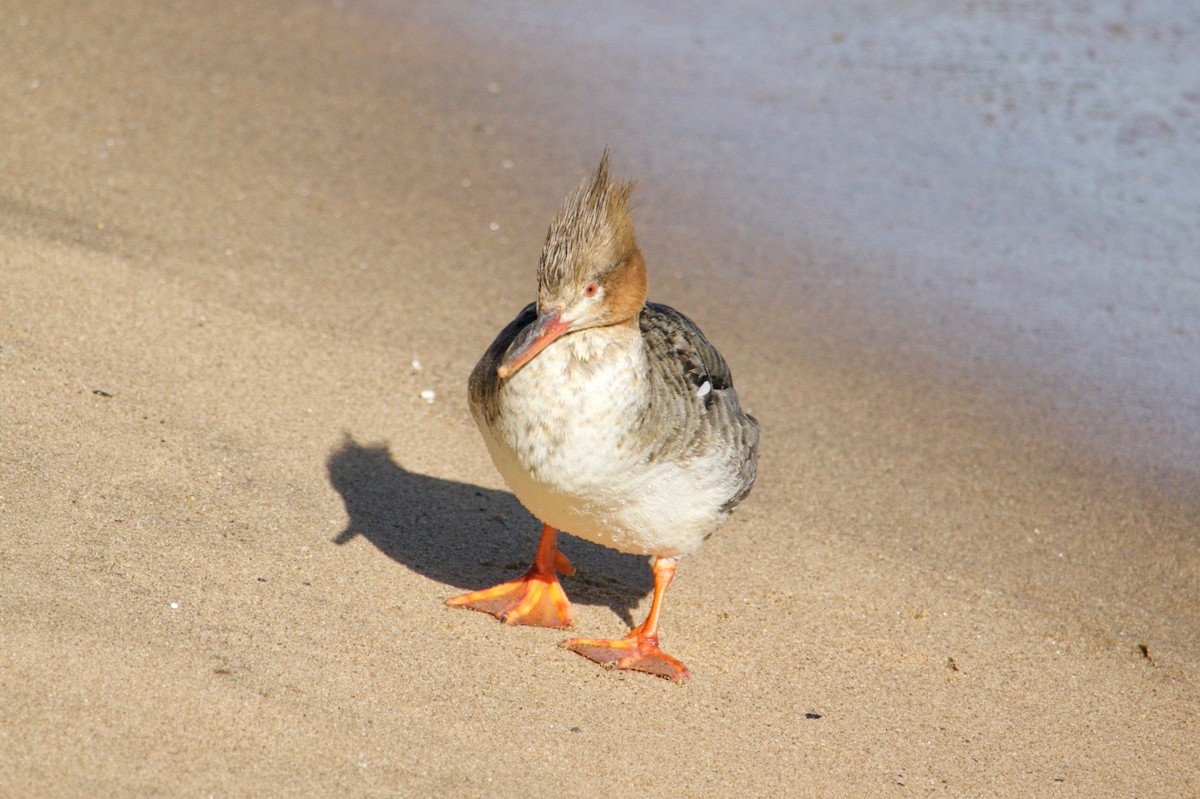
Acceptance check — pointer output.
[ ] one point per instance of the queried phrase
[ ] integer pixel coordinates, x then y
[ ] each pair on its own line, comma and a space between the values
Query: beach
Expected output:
249, 255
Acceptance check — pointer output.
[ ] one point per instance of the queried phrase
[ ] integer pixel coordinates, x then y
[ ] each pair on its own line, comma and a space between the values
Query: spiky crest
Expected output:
591, 234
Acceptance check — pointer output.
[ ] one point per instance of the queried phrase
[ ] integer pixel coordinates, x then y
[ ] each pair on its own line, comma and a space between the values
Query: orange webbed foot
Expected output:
637, 651
535, 598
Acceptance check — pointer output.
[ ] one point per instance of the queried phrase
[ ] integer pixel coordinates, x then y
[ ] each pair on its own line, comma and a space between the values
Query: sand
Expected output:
249, 254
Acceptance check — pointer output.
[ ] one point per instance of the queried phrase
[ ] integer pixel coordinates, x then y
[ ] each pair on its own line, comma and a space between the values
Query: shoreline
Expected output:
232, 517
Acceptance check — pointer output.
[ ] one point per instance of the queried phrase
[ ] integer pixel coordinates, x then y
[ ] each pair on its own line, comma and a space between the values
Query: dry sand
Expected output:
228, 235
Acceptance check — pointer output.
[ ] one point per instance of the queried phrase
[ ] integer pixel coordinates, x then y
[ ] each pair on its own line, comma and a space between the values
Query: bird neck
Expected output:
627, 289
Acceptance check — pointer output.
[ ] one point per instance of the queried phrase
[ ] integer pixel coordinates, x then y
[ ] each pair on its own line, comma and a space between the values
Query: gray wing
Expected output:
483, 387
695, 387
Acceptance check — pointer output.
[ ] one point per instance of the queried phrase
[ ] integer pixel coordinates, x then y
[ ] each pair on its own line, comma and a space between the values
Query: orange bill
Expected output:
531, 341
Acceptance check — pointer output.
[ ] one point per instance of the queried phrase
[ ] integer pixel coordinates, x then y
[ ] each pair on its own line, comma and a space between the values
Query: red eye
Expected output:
591, 290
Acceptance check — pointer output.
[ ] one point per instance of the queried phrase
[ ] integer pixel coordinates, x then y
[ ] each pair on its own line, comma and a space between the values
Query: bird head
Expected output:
591, 272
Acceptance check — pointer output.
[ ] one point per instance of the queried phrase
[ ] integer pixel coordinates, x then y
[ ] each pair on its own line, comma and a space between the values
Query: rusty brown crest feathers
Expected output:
591, 234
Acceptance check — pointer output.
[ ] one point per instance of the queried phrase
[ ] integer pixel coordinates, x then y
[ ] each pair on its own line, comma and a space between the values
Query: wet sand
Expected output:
237, 244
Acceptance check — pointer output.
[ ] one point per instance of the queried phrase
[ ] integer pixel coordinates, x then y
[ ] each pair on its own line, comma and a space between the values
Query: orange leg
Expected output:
535, 598
639, 650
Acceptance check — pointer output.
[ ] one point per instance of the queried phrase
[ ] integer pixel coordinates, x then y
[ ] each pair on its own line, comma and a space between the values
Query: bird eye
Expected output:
591, 290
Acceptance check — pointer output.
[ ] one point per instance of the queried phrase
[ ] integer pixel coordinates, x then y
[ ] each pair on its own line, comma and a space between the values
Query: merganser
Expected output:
610, 418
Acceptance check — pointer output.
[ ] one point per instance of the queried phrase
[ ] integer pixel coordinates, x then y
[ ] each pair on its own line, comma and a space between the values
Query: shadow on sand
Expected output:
465, 535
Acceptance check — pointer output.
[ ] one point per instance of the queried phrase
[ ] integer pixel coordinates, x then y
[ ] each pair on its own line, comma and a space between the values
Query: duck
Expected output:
612, 419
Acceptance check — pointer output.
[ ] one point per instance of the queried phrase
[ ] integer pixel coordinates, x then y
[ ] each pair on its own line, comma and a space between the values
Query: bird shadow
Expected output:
465, 535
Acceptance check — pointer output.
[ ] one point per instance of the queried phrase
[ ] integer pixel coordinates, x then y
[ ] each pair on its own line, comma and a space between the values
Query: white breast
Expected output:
567, 443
